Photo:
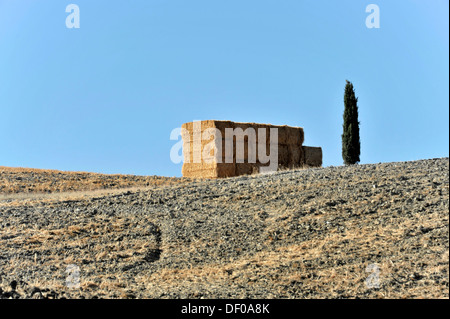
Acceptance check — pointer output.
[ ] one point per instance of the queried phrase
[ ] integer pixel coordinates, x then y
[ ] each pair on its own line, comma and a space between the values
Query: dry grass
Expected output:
28, 180
32, 199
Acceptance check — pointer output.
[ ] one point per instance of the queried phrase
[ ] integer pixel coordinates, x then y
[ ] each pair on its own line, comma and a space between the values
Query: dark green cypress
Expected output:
351, 145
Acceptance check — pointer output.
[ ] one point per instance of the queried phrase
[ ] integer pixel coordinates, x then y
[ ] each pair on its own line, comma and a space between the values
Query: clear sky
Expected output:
105, 97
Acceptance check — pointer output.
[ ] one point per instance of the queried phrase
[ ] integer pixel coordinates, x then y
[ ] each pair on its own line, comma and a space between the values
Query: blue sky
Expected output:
105, 97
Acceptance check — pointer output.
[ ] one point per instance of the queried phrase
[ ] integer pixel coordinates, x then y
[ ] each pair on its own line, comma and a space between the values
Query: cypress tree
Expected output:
351, 146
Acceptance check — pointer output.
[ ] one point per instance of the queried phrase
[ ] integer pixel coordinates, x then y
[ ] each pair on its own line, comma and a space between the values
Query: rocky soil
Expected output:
363, 231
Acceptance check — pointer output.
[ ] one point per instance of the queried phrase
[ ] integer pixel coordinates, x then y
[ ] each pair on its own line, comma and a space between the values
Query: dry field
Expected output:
28, 180
364, 231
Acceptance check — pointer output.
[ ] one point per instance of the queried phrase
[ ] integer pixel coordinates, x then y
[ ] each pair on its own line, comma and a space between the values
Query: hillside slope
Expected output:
364, 231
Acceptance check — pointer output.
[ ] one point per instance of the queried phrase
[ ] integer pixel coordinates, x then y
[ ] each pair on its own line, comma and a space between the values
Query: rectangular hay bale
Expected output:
289, 143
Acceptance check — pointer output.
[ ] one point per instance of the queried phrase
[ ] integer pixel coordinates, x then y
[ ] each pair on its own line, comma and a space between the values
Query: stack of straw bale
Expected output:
291, 154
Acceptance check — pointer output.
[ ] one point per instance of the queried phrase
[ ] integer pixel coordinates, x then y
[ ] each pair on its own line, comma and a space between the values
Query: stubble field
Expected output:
363, 231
